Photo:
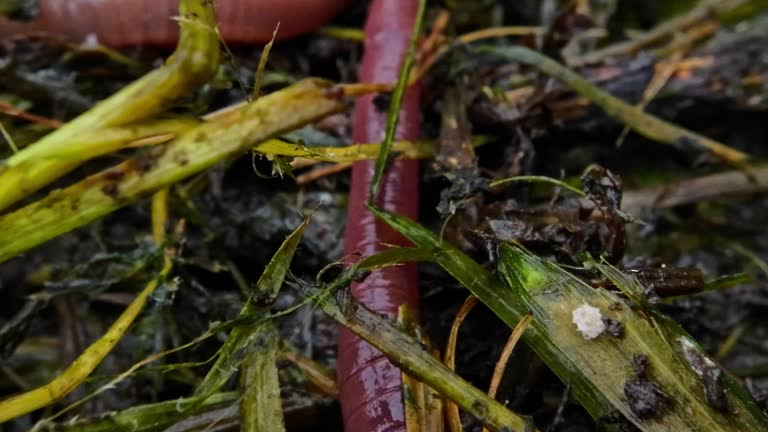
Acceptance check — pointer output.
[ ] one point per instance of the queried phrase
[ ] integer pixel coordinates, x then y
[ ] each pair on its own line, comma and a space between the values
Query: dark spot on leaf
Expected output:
618, 419
710, 374
645, 398
614, 327
480, 408
145, 161
616, 306
110, 189
113, 175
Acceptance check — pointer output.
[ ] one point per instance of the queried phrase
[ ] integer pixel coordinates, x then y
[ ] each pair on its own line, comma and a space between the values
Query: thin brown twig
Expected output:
320, 377
702, 13
321, 172
427, 62
451, 410
697, 189
13, 111
662, 73
689, 38
501, 365
436, 35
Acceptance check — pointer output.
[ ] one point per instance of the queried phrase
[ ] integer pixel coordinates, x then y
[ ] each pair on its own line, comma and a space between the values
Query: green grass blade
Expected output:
394, 107
503, 302
143, 418
261, 407
552, 295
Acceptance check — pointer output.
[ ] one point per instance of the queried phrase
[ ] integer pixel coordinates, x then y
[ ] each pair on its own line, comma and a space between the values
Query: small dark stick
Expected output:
370, 386
148, 22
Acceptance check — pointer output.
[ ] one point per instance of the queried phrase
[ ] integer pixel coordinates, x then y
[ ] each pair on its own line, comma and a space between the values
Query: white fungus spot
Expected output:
91, 41
589, 321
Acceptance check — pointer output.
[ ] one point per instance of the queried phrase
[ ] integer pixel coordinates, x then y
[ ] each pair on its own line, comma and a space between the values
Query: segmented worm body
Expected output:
149, 22
370, 385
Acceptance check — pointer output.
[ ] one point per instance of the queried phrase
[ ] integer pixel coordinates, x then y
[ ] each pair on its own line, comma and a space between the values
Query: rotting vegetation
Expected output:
633, 274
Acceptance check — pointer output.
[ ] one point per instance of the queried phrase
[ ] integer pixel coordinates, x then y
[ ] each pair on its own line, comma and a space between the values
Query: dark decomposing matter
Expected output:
399, 215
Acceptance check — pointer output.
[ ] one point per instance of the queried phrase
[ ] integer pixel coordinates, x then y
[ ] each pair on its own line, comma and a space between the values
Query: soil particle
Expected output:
710, 374
381, 102
645, 397
614, 327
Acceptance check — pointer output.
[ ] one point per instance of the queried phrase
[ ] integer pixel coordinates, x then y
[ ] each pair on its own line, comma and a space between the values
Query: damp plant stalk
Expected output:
194, 62
192, 152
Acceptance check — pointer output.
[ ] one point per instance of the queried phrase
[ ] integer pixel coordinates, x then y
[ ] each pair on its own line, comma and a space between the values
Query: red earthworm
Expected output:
370, 386
148, 22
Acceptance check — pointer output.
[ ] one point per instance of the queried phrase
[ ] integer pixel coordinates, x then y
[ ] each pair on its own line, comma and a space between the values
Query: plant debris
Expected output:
591, 176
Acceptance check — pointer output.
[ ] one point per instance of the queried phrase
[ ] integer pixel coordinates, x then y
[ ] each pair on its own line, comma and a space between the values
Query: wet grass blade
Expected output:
246, 338
394, 107
261, 407
503, 302
676, 399
412, 358
598, 369
143, 418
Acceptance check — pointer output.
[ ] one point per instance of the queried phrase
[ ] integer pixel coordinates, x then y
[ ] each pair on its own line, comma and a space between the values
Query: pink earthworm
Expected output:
121, 23
370, 385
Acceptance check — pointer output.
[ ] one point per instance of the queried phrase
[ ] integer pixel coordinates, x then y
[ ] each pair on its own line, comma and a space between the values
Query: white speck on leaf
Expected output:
588, 320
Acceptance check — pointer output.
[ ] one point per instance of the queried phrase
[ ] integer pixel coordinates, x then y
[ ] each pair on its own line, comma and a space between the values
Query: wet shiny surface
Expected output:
137, 22
369, 383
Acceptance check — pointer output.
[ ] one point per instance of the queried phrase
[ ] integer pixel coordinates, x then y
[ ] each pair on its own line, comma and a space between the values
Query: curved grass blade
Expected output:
245, 338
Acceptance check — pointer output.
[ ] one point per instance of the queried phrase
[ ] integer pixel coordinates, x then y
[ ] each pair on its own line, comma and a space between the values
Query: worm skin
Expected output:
148, 22
370, 385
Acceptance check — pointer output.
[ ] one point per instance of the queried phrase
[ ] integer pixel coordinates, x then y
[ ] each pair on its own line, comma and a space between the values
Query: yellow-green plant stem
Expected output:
261, 409
194, 62
100, 142
418, 149
154, 417
200, 148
